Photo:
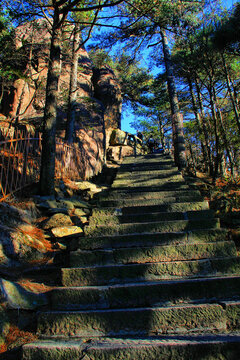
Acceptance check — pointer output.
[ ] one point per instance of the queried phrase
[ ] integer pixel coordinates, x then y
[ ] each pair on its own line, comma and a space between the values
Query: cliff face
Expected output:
98, 100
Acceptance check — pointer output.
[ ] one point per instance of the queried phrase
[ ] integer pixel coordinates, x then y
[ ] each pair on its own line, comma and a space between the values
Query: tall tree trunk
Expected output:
204, 126
47, 172
199, 123
177, 119
192, 157
215, 127
231, 94
223, 133
71, 115
161, 132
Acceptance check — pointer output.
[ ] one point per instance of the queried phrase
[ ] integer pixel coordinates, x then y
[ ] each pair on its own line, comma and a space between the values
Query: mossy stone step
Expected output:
146, 167
152, 254
151, 239
153, 187
149, 181
118, 274
94, 229
158, 293
146, 173
175, 207
145, 194
216, 347
150, 201
140, 321
148, 159
105, 216
145, 162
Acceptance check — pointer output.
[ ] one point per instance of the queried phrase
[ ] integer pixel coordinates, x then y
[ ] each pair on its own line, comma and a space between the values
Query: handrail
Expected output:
20, 158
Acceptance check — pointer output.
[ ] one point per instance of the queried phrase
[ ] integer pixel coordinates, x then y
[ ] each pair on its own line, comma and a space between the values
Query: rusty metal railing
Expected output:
20, 158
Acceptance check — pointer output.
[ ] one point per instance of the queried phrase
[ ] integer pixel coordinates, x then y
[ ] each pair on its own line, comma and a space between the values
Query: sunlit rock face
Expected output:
98, 96
108, 91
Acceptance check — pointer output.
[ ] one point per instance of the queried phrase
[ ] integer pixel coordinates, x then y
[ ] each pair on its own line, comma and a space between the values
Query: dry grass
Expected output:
17, 337
34, 287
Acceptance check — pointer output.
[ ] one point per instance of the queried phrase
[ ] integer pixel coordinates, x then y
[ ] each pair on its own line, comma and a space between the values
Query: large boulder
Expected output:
24, 246
108, 90
118, 137
15, 296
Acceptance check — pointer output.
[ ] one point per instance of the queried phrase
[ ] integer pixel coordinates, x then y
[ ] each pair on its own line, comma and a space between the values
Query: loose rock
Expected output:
63, 231
56, 220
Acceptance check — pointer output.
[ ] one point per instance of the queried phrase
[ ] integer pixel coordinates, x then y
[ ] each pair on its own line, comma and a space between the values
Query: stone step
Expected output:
146, 167
175, 207
217, 347
154, 268
158, 293
154, 187
152, 254
148, 160
151, 239
105, 216
148, 173
94, 229
124, 202
149, 181
119, 274
176, 319
144, 194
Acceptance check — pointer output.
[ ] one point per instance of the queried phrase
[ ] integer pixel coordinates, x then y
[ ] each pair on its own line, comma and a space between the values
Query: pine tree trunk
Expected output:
223, 133
47, 172
71, 116
177, 119
161, 132
231, 94
215, 127
199, 123
204, 127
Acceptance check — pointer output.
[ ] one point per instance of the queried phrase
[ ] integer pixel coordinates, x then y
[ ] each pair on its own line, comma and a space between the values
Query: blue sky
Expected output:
127, 117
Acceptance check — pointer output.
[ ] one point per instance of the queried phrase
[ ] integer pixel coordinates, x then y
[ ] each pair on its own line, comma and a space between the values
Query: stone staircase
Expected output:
155, 277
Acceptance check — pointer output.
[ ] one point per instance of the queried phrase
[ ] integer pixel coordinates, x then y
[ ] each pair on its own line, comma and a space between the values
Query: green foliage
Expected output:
227, 36
100, 58
135, 80
6, 46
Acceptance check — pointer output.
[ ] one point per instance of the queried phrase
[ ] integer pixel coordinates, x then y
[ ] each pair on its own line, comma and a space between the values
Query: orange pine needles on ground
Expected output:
17, 337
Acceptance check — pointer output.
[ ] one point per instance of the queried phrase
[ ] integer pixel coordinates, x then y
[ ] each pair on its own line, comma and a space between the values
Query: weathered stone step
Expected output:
152, 254
150, 201
116, 216
168, 165
118, 274
217, 347
188, 318
174, 181
151, 239
148, 173
145, 194
158, 293
154, 187
158, 226
148, 159
175, 207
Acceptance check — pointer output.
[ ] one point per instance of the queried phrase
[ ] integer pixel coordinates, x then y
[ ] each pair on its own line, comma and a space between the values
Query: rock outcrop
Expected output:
98, 98
107, 89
